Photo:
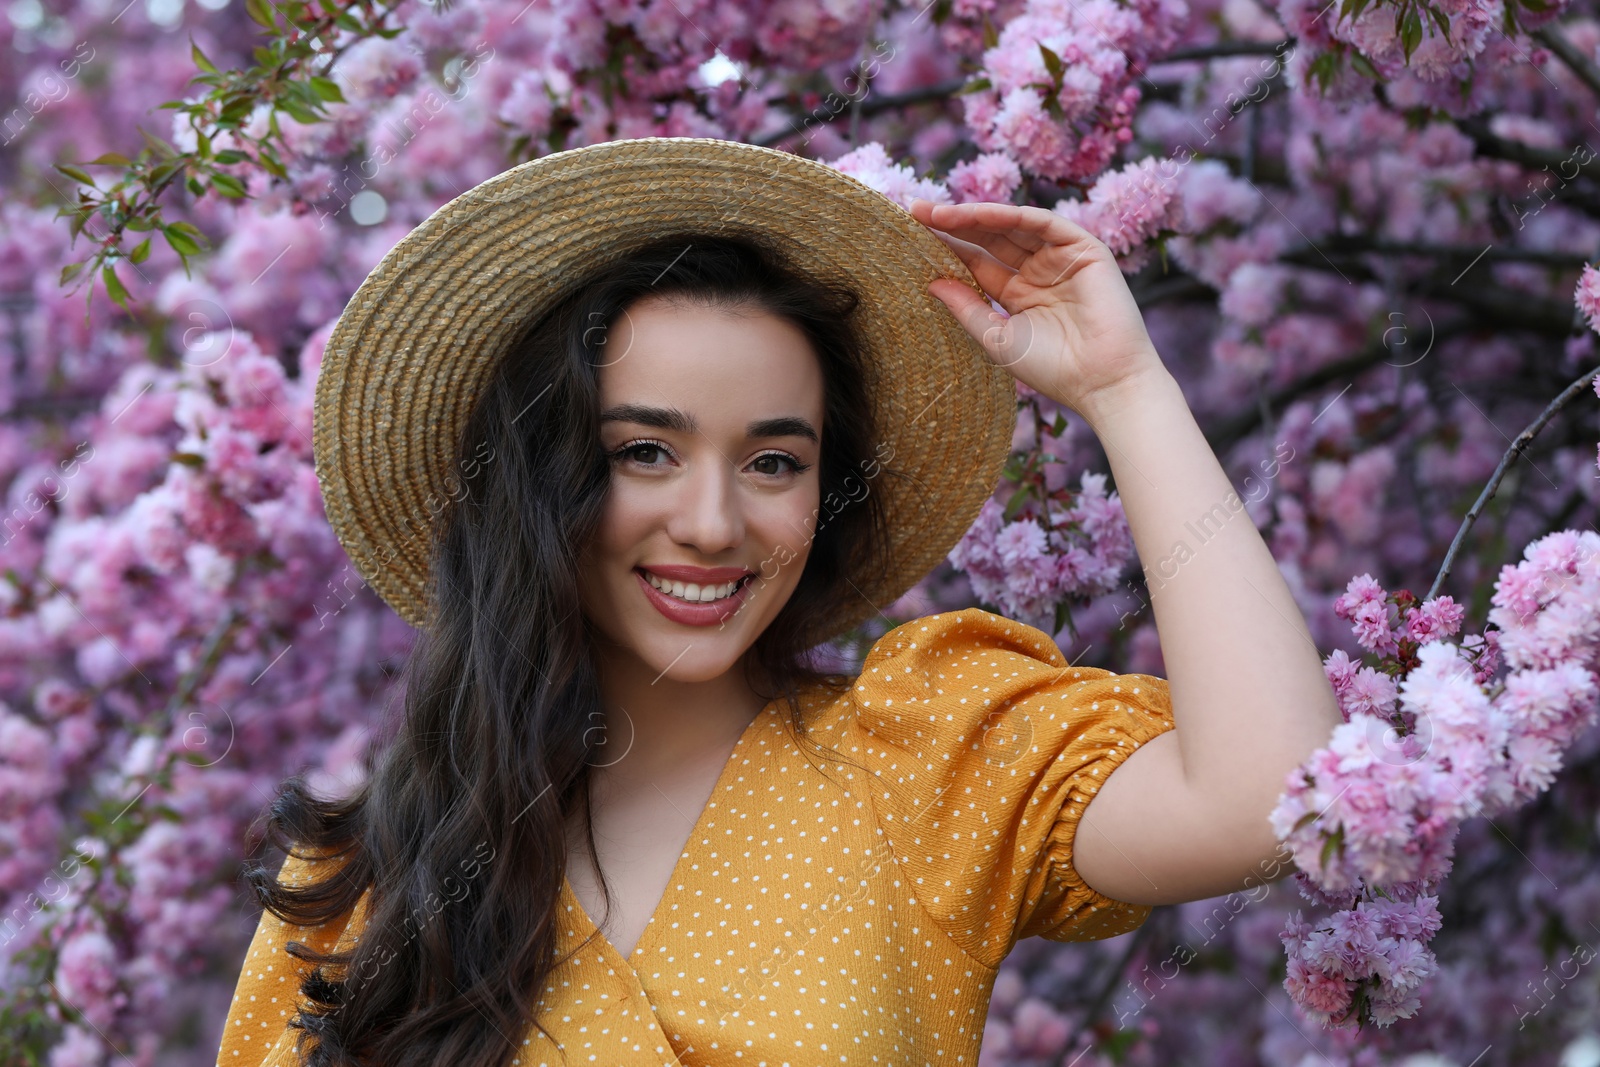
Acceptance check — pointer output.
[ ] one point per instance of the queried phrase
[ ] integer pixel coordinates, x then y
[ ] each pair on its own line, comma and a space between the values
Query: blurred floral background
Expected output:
1362, 235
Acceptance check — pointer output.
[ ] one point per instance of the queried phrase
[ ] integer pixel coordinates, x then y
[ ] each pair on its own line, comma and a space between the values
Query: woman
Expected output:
625, 818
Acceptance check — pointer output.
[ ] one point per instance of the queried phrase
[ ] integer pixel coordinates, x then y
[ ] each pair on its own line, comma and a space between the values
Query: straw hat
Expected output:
407, 358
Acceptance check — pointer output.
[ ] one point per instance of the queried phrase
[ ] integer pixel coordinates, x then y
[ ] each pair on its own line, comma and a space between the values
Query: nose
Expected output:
707, 513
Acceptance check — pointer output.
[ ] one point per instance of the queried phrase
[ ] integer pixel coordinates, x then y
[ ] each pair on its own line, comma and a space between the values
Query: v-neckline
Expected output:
576, 904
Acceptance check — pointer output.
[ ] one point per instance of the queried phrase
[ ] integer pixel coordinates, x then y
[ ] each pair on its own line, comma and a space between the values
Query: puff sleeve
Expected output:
256, 1032
986, 746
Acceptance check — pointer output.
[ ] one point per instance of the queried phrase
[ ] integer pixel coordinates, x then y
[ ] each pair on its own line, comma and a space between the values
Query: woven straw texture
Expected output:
409, 354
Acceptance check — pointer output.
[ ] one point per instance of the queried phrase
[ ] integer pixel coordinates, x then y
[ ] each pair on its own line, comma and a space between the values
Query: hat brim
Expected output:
413, 348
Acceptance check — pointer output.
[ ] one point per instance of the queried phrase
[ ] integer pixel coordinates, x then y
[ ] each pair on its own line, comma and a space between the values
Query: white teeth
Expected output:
690, 591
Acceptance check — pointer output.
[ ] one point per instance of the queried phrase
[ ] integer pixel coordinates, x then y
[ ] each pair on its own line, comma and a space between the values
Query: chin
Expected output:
706, 658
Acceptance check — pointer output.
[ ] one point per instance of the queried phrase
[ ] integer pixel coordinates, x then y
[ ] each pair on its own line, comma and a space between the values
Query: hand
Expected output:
1072, 330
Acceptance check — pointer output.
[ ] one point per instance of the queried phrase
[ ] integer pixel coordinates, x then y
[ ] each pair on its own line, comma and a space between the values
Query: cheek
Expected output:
623, 520
789, 520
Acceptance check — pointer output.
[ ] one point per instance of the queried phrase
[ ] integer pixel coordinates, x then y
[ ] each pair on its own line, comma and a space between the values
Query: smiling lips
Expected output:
695, 596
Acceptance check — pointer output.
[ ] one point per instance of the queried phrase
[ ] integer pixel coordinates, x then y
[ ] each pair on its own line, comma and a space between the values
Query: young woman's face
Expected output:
713, 421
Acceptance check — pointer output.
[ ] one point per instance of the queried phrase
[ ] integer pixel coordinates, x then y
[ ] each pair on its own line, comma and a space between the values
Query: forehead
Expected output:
703, 358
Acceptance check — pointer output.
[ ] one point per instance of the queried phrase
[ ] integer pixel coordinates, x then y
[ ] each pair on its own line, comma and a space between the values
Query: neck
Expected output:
654, 723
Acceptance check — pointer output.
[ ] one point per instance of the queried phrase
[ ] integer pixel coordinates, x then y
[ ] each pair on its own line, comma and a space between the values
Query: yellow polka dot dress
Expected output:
845, 910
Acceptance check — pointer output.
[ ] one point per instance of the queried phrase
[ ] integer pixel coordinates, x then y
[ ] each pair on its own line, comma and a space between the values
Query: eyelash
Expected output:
795, 466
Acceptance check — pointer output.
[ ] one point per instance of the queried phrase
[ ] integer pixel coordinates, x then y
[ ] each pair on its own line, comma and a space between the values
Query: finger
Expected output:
1007, 340
1068, 244
971, 310
1029, 227
1001, 245
987, 271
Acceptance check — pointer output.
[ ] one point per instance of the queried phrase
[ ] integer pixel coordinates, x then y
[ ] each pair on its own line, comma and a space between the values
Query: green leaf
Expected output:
140, 253
260, 12
976, 85
235, 111
1052, 63
189, 459
1324, 68
156, 144
165, 172
229, 186
71, 271
230, 156
1364, 66
272, 166
77, 174
1014, 504
300, 113
196, 188
1411, 32
991, 36
1062, 614
1335, 841
114, 287
327, 89
200, 59
1117, 1045
181, 243
110, 159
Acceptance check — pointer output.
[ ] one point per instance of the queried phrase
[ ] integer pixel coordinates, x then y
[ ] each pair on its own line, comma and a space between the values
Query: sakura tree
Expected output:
1363, 238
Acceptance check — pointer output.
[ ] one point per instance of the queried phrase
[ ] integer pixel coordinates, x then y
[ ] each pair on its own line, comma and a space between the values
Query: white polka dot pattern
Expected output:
840, 910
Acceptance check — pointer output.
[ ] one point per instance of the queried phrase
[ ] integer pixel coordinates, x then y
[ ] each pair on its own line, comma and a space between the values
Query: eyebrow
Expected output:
683, 422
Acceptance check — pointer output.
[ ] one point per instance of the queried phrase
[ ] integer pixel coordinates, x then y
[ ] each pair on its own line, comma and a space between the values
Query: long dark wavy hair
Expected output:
458, 833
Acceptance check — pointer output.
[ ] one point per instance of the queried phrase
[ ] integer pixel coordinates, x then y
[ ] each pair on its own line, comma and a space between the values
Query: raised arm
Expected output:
1186, 816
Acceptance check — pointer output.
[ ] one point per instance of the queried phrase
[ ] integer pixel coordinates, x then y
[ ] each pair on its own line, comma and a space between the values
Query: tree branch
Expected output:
1358, 243
1552, 38
1102, 997
1517, 448
1225, 432
1490, 144
1225, 50
865, 106
1506, 307
1501, 307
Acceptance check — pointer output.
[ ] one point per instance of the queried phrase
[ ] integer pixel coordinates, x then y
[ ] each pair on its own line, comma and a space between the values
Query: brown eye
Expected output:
777, 460
651, 450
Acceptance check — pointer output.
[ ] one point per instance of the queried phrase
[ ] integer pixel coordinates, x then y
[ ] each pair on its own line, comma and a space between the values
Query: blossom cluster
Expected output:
190, 557
1056, 91
1029, 564
179, 629
1369, 960
1378, 809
